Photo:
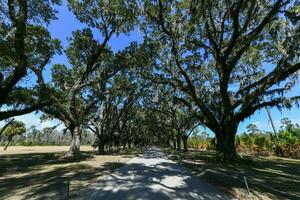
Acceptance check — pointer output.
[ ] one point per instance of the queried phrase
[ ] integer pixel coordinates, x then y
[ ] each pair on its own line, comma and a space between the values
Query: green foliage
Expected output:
15, 128
252, 128
48, 136
106, 15
25, 45
208, 62
200, 142
288, 142
245, 139
216, 56
258, 142
289, 136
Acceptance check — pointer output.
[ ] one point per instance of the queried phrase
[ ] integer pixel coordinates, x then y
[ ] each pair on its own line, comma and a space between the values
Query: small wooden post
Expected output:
246, 185
68, 188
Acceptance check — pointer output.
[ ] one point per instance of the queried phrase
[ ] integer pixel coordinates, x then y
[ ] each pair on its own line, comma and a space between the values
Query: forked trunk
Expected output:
75, 143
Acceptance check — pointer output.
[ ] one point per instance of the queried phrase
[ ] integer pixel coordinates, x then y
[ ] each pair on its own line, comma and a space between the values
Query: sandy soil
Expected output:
39, 149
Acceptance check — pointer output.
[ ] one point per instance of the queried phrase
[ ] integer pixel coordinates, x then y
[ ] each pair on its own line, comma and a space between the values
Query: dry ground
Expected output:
40, 149
39, 172
268, 177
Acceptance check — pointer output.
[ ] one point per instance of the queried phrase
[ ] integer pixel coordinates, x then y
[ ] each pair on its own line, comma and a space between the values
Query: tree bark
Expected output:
184, 140
178, 142
75, 143
7, 143
101, 146
225, 144
174, 143
129, 145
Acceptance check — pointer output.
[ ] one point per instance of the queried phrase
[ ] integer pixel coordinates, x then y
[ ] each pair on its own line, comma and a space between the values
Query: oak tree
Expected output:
228, 58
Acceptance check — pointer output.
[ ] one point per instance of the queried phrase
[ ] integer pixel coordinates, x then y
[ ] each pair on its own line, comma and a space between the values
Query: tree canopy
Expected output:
208, 63
226, 59
24, 42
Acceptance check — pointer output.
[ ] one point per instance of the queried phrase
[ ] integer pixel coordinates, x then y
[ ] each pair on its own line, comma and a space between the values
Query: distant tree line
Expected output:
47, 136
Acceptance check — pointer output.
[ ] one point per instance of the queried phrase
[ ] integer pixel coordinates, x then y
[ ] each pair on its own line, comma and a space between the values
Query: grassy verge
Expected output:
45, 175
268, 177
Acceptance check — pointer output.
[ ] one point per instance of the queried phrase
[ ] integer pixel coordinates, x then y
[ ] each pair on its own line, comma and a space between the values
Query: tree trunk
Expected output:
184, 140
7, 143
129, 145
225, 144
178, 142
75, 143
174, 143
101, 146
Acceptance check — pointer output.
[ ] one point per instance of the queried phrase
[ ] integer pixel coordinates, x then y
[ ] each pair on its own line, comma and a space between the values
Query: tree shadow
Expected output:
275, 178
16, 163
150, 177
22, 175
125, 152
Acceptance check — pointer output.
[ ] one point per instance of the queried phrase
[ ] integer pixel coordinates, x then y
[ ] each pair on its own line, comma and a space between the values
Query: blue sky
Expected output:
66, 23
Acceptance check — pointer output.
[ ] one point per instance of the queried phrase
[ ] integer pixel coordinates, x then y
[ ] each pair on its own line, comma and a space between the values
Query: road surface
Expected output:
151, 176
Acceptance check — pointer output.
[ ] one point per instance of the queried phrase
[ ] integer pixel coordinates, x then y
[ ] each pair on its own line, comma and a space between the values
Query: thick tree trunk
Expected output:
225, 144
184, 140
7, 143
75, 143
101, 146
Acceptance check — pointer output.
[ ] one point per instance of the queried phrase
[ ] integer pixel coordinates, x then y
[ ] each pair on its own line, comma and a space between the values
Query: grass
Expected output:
44, 175
268, 177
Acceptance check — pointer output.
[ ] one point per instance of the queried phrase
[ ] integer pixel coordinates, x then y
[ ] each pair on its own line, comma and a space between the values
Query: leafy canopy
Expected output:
15, 128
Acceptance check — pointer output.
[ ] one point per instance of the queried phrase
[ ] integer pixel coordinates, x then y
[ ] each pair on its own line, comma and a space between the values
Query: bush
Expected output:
260, 143
201, 143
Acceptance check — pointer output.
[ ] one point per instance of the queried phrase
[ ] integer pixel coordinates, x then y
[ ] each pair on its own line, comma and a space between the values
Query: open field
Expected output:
40, 149
40, 172
268, 177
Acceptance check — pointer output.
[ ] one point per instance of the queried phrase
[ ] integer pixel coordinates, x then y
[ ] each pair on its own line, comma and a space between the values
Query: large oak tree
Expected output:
24, 42
228, 58
90, 61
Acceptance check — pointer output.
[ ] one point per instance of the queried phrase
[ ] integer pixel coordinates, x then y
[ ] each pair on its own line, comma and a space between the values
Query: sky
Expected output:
67, 23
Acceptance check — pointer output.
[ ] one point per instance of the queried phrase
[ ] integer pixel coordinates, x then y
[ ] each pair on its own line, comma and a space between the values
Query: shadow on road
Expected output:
151, 176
